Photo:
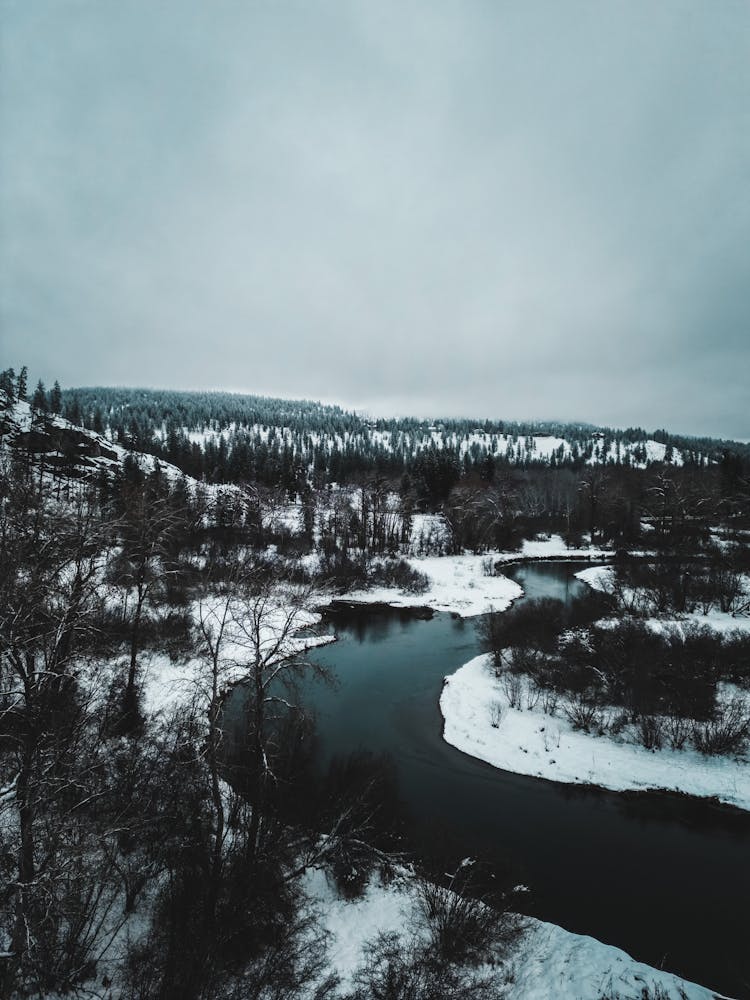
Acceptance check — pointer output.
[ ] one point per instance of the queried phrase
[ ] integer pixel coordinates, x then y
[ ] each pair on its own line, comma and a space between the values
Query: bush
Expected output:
654, 992
360, 798
582, 712
650, 732
461, 926
513, 686
489, 566
530, 626
398, 573
497, 710
396, 968
550, 699
727, 732
676, 730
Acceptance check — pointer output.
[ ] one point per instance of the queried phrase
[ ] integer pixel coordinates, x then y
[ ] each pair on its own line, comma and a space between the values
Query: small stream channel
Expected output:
665, 877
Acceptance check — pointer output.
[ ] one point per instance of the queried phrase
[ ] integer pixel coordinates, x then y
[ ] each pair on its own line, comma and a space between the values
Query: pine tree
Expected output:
73, 410
8, 383
39, 401
55, 398
22, 384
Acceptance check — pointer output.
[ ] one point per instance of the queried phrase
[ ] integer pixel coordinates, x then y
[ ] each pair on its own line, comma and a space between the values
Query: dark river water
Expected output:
664, 877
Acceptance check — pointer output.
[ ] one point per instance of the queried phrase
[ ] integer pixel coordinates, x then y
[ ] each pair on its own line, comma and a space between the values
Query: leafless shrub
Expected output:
728, 730
462, 927
497, 710
550, 701
650, 732
489, 566
401, 968
525, 661
513, 686
617, 723
653, 992
533, 694
676, 730
398, 573
582, 712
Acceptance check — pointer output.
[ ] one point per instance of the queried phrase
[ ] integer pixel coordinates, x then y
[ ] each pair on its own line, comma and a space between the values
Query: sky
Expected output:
522, 210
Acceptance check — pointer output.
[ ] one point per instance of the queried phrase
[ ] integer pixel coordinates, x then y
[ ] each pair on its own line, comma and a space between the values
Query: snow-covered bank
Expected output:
458, 584
603, 578
461, 584
527, 741
552, 547
166, 684
545, 962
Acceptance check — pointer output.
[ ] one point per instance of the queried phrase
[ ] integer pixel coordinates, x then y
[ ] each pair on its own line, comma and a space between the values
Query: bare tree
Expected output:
147, 530
250, 632
52, 560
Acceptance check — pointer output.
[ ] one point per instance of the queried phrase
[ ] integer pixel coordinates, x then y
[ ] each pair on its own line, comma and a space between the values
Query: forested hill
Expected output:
229, 437
226, 437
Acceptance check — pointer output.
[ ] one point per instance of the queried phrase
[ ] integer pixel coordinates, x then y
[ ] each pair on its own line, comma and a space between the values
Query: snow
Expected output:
167, 684
545, 962
457, 585
603, 578
551, 547
530, 742
553, 962
598, 577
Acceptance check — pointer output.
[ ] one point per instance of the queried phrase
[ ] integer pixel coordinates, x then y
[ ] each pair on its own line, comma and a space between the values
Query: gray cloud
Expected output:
482, 208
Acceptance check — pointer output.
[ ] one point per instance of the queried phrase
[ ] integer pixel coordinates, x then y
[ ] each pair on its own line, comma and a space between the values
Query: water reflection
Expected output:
549, 579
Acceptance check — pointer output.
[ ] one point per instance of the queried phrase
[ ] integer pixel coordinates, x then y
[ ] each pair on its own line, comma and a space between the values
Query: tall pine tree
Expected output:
55, 398
39, 400
22, 383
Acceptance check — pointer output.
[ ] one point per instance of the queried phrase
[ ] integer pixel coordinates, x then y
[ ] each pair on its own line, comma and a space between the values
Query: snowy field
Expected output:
527, 741
546, 962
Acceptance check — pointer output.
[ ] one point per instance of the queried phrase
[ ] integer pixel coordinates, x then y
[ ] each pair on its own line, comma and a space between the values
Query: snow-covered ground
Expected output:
528, 741
552, 547
461, 585
458, 585
167, 684
545, 963
603, 578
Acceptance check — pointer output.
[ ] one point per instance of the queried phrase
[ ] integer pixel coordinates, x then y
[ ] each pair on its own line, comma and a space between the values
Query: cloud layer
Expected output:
496, 209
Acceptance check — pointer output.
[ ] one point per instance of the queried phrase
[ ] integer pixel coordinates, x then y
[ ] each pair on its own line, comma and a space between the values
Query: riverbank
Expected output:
603, 579
468, 585
545, 961
530, 742
458, 585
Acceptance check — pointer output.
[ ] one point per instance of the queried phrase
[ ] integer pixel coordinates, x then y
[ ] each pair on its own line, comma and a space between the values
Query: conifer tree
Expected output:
22, 384
8, 383
55, 398
39, 400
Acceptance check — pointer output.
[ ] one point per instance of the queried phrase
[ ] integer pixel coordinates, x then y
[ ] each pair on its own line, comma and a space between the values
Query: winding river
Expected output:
665, 877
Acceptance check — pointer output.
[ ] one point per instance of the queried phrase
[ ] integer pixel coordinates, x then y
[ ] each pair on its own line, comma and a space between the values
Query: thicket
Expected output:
663, 681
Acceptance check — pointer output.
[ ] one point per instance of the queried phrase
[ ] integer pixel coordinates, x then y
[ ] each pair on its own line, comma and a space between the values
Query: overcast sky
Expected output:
507, 209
